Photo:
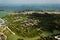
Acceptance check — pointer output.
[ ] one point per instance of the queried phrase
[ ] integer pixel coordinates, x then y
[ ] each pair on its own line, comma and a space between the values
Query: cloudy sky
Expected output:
29, 1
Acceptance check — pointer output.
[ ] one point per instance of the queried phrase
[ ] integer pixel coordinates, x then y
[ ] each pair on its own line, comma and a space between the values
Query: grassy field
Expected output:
10, 36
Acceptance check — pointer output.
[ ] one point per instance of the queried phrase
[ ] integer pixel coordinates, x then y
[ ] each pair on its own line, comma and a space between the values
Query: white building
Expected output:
57, 37
1, 22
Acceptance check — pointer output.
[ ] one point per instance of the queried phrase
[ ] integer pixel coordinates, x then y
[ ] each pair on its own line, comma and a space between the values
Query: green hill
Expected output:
33, 25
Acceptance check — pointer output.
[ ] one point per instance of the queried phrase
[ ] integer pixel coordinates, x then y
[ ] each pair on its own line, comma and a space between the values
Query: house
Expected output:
3, 36
57, 37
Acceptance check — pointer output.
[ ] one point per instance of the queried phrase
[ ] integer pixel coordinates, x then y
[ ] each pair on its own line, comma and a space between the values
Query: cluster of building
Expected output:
30, 22
2, 36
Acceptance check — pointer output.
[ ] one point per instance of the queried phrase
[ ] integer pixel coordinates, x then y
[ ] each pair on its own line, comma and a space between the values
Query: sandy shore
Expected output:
40, 12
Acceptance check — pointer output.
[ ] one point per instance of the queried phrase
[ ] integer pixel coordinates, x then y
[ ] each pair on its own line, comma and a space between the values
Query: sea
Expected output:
30, 7
10, 8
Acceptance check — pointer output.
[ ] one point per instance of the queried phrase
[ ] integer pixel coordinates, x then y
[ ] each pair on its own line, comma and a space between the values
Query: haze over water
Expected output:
30, 7
12, 5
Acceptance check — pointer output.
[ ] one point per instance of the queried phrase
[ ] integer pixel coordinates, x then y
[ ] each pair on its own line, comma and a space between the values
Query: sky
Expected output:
7, 2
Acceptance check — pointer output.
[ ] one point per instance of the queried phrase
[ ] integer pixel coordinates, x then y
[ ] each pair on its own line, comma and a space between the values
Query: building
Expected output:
1, 23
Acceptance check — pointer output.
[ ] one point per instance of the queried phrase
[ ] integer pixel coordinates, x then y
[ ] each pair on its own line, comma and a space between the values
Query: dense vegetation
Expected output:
46, 26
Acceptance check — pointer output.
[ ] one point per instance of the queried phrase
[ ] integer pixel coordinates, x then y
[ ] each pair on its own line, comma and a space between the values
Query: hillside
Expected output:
43, 25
